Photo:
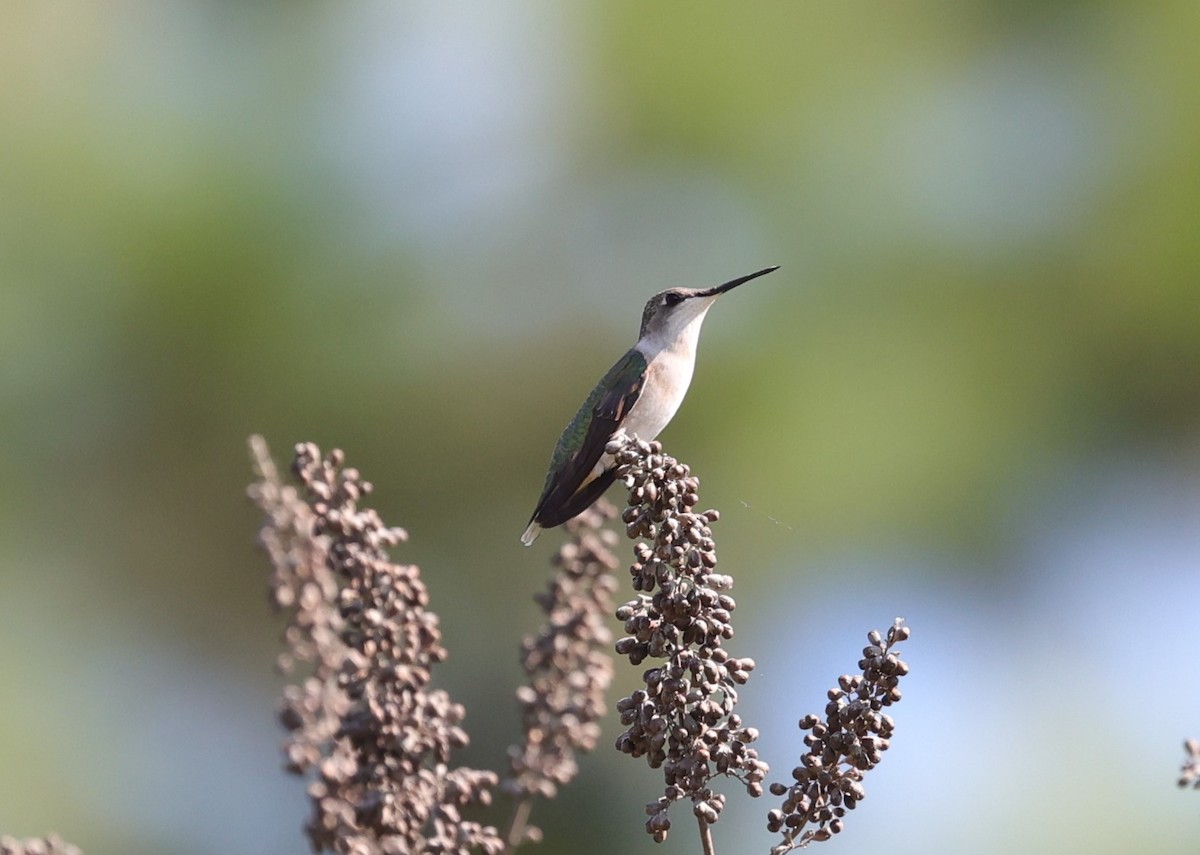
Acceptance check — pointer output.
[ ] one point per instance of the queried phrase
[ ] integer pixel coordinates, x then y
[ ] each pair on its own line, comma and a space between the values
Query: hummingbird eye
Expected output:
672, 299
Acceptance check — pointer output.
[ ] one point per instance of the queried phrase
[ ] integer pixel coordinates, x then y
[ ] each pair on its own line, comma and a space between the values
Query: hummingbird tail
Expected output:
531, 534
553, 510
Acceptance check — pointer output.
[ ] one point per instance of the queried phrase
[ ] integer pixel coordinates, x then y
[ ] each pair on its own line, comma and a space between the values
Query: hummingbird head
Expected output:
669, 314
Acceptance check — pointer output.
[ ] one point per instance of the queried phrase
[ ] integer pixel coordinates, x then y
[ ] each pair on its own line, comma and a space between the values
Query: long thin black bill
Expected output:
733, 283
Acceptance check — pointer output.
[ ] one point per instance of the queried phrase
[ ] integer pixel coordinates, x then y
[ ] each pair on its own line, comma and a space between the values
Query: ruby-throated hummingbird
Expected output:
639, 395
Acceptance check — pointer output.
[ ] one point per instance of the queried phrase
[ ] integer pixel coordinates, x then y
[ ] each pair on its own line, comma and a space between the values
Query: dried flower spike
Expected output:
1189, 775
568, 667
842, 747
378, 738
51, 845
683, 720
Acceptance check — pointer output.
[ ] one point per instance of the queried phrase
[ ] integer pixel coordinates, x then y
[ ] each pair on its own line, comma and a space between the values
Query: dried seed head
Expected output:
1189, 774
842, 747
682, 721
566, 662
50, 845
376, 739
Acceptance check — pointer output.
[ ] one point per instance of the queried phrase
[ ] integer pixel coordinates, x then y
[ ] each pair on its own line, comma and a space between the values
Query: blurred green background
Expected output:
421, 231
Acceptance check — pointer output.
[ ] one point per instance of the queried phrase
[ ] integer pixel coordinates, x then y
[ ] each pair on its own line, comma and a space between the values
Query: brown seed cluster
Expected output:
377, 737
51, 845
567, 663
303, 587
842, 747
683, 720
1189, 775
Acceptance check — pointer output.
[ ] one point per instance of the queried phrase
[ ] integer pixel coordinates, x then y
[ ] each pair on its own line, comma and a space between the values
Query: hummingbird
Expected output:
639, 395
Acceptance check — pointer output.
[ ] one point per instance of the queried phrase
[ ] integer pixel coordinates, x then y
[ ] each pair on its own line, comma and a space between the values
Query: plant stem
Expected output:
706, 840
516, 830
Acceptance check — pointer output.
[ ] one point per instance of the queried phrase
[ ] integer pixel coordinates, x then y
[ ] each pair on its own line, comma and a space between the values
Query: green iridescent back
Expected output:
625, 374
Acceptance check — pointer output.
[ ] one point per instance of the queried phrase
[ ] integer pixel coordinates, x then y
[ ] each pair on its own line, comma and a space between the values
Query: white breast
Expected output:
667, 379
668, 375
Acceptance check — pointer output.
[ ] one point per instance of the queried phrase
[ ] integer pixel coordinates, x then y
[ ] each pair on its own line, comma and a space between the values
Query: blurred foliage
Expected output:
420, 232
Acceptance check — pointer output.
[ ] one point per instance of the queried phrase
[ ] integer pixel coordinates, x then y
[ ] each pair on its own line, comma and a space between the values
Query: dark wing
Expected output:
570, 485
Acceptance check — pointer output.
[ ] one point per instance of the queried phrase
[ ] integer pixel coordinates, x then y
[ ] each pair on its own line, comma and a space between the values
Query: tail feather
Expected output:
550, 516
531, 533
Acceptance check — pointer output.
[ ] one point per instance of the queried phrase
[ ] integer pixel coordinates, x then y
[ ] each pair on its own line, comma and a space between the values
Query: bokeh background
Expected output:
420, 232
